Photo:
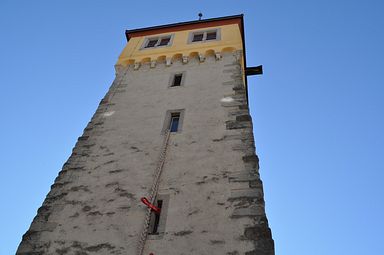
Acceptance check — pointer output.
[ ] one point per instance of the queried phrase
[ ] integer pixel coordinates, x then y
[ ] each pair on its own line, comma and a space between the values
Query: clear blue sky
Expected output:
317, 110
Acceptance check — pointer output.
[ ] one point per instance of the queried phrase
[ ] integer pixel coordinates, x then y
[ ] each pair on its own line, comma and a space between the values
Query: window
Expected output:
198, 37
164, 41
157, 41
177, 80
174, 123
155, 219
211, 35
151, 43
158, 220
203, 36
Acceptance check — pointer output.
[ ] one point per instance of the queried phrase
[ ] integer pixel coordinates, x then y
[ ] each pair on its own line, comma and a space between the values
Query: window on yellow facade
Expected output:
164, 41
198, 37
160, 41
211, 35
203, 36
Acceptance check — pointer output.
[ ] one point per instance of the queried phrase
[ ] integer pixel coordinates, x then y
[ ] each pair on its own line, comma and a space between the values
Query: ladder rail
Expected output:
153, 192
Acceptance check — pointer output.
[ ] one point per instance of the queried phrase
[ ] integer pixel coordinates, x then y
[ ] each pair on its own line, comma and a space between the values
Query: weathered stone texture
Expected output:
211, 174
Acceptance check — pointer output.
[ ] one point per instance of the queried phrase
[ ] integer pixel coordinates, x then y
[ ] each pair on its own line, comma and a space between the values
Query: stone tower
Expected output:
167, 164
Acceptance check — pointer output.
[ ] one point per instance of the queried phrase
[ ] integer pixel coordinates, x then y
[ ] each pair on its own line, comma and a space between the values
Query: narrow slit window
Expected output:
177, 80
155, 219
174, 123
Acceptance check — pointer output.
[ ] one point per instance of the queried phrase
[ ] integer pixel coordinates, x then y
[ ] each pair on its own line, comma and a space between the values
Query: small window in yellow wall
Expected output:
151, 43
211, 35
197, 37
160, 41
164, 41
204, 36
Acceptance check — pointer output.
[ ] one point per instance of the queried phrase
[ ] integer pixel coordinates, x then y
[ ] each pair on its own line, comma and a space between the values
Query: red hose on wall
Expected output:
153, 207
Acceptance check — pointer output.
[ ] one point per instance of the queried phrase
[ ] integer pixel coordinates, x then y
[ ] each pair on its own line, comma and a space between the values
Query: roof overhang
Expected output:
196, 24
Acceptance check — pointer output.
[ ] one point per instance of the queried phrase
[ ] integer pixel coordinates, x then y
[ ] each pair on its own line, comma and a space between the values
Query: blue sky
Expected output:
317, 110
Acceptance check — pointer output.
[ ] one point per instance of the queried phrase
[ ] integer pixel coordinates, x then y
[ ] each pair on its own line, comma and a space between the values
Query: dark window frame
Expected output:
177, 78
174, 122
155, 219
168, 119
159, 39
197, 37
210, 33
193, 34
172, 80
167, 39
162, 218
151, 43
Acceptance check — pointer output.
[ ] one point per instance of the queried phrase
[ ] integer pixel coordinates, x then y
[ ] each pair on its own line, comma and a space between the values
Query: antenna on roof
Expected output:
200, 15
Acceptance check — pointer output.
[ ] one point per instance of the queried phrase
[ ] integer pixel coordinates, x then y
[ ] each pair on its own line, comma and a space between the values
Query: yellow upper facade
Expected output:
179, 41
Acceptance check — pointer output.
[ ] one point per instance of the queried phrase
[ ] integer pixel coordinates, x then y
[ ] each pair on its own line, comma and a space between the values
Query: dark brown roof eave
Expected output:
127, 32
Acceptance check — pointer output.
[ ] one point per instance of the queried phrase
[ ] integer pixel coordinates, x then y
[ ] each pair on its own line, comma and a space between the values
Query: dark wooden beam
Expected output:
254, 70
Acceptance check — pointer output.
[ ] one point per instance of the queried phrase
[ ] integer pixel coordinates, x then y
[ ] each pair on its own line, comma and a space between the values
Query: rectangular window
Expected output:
177, 80
198, 37
151, 43
164, 41
155, 219
203, 36
211, 35
157, 222
173, 121
157, 41
174, 124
